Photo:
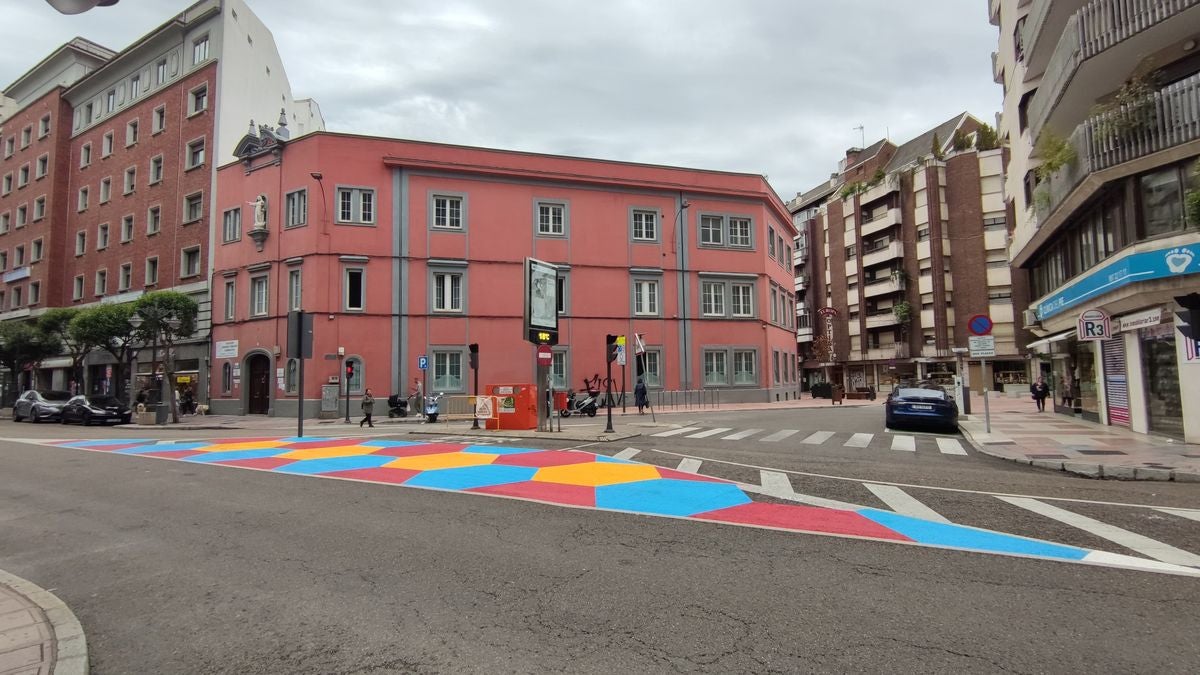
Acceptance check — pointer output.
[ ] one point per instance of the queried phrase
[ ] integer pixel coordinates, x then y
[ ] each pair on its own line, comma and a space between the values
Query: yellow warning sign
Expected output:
485, 407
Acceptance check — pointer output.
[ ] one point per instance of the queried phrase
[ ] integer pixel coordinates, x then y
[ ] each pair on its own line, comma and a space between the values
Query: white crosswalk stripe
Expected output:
710, 432
1190, 514
689, 465
859, 440
627, 453
779, 436
950, 446
676, 432
906, 443
903, 503
740, 435
818, 438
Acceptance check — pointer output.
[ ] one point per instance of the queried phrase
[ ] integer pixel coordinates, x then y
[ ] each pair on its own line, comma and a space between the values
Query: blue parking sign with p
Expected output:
423, 362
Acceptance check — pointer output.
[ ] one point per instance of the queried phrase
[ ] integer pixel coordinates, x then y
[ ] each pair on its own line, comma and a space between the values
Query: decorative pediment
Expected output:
260, 141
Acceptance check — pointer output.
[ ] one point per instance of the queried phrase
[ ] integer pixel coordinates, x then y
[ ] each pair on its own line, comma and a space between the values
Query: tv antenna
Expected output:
862, 134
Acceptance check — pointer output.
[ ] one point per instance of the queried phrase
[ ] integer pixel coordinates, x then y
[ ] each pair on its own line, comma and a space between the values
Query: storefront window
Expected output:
1160, 370
1162, 202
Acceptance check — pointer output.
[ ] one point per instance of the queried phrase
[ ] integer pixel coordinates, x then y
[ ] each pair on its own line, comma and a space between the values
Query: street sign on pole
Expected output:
981, 346
980, 324
545, 355
423, 362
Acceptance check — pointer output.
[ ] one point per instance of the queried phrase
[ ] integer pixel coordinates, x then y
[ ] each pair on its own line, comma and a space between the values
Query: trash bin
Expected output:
161, 412
560, 400
836, 394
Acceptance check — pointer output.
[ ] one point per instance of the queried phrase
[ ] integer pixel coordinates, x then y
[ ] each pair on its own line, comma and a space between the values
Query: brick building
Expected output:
112, 161
907, 243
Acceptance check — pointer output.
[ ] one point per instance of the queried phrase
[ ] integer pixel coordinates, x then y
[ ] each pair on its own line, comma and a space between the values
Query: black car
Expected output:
921, 405
98, 409
40, 405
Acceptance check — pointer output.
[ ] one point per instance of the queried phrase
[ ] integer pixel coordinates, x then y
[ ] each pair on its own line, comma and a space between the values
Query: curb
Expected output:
1087, 469
70, 643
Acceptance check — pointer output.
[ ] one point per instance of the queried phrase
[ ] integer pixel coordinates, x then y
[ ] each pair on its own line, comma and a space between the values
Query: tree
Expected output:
961, 141
171, 316
57, 322
107, 327
23, 344
936, 148
986, 139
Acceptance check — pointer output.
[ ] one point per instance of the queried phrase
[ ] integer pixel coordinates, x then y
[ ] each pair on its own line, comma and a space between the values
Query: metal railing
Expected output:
686, 399
1097, 26
1168, 118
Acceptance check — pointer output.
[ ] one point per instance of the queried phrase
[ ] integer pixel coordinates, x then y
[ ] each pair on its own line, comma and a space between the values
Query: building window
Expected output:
77, 288
44, 126
226, 377
355, 279
712, 298
291, 376
4, 217
131, 133
135, 86
189, 262
106, 145
83, 199
652, 368
22, 215
193, 207
711, 230
295, 290
998, 223
158, 121
19, 252
8, 184
43, 166
771, 241
153, 220
130, 179
231, 225
744, 371
551, 219
102, 237
105, 190
200, 50
80, 242
645, 226
230, 299
126, 278
715, 368
160, 71
39, 208
23, 176
558, 369
562, 292
151, 271
198, 99
258, 296
85, 155
354, 383
447, 371
447, 292
741, 300
35, 292
295, 205
126, 229
3, 263
36, 250
101, 282
447, 212
195, 153
645, 297
851, 252
774, 364
16, 297
1162, 202
10, 146
156, 169
26, 137
356, 205
110, 101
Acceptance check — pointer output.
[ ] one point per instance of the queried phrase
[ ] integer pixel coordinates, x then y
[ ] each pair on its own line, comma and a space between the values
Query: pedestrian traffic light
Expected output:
1187, 320
610, 348
349, 370
473, 356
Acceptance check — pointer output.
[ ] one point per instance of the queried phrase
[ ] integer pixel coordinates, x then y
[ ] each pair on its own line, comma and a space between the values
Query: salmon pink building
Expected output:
405, 249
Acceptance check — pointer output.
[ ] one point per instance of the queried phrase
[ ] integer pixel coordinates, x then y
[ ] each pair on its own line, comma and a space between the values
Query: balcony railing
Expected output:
799, 256
882, 254
883, 287
888, 218
1168, 118
801, 283
804, 334
890, 183
1097, 26
892, 351
881, 319
931, 352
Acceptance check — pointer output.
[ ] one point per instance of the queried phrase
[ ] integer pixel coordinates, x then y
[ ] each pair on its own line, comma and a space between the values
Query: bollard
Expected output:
987, 414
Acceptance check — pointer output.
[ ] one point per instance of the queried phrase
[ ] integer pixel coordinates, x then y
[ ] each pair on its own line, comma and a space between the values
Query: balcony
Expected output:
881, 319
931, 352
1098, 47
804, 334
887, 352
884, 287
1043, 24
883, 254
801, 283
1169, 118
888, 185
800, 256
890, 218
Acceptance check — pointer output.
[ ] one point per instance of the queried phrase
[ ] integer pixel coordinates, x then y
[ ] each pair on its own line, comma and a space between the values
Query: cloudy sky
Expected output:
775, 87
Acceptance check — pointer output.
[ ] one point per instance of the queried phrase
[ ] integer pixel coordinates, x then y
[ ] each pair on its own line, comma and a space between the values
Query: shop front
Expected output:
1160, 374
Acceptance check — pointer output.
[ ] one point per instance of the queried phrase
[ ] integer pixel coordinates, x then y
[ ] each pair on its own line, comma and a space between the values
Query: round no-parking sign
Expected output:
980, 324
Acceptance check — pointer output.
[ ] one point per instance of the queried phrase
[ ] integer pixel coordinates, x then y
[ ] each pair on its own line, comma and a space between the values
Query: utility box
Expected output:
516, 406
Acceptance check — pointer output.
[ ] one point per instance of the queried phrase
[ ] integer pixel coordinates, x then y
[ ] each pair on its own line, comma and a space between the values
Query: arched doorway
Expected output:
258, 384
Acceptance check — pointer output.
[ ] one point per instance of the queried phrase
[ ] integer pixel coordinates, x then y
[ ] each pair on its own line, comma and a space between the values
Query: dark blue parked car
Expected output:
924, 404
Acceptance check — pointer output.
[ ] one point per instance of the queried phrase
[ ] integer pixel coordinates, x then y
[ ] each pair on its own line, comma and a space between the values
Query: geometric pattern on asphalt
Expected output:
582, 479
944, 445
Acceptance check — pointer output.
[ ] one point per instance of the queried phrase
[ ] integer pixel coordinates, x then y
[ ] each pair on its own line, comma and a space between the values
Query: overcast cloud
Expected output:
763, 86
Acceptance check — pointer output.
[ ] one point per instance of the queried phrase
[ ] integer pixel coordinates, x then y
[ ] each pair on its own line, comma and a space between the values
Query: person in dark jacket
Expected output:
640, 397
368, 407
1040, 390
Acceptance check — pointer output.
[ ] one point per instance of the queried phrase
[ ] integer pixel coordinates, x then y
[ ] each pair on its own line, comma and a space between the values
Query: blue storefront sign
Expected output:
1144, 266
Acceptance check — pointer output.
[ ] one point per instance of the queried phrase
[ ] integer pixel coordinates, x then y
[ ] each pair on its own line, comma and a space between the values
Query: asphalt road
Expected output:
175, 567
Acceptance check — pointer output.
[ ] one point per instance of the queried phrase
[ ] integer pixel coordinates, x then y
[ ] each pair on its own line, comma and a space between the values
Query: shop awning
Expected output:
1053, 338
56, 362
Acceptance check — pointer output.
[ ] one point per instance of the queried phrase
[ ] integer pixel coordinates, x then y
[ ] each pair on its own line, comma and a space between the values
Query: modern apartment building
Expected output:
405, 249
1102, 120
108, 170
908, 243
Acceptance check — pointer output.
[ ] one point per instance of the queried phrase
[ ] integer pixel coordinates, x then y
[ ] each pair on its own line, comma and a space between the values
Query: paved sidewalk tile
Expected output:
26, 637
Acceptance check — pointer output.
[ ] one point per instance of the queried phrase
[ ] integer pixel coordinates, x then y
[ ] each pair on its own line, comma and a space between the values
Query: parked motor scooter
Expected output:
581, 405
432, 402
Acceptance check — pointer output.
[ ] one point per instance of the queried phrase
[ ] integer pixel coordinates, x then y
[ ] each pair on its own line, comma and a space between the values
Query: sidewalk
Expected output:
38, 633
1061, 442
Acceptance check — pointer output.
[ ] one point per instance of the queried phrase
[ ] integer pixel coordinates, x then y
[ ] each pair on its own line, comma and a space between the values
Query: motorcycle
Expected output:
432, 402
585, 405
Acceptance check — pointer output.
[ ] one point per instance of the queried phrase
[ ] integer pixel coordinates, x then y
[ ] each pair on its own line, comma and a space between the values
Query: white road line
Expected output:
676, 432
777, 484
859, 440
740, 435
779, 436
818, 438
1190, 514
950, 446
901, 502
1131, 540
710, 432
689, 465
906, 443
627, 453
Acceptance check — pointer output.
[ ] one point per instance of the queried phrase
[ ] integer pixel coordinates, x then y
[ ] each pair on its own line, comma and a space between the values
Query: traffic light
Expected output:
349, 370
473, 356
1187, 320
610, 348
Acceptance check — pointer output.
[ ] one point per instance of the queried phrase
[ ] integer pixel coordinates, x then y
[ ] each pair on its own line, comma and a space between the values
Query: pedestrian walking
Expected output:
640, 396
1039, 391
368, 407
1068, 393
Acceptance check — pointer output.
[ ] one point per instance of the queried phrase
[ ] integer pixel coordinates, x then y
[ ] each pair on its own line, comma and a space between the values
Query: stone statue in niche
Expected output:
260, 212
